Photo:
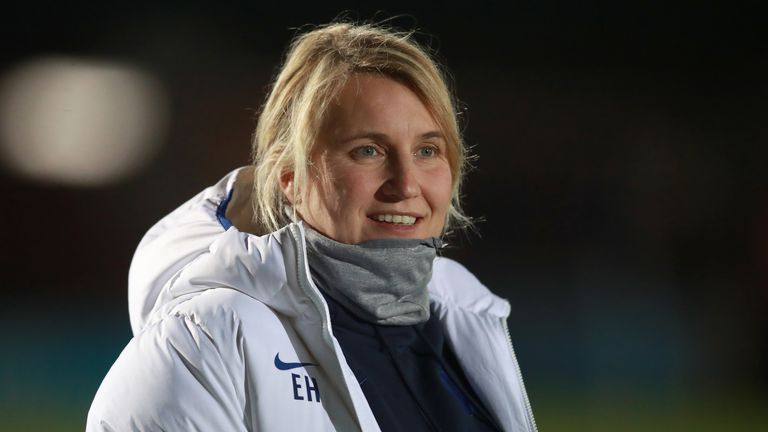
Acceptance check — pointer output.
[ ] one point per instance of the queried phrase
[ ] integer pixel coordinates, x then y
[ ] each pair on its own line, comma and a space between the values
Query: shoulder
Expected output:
233, 281
446, 268
453, 285
224, 314
186, 369
448, 275
206, 326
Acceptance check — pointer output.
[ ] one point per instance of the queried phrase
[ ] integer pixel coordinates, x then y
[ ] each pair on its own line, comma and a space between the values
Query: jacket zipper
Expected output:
320, 304
531, 421
314, 295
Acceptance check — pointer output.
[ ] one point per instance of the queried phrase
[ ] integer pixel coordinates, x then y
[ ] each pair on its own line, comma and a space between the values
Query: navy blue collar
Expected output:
221, 211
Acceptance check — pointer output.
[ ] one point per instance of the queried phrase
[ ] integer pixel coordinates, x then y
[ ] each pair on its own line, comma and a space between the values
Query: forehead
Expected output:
375, 101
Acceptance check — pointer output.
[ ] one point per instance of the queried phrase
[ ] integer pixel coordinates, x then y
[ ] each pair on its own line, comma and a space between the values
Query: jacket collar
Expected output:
262, 267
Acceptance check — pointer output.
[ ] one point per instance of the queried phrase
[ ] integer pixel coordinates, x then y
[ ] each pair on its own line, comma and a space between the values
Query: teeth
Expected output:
398, 219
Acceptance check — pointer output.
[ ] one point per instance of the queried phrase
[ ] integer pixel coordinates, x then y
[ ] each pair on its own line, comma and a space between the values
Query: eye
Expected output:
427, 152
367, 151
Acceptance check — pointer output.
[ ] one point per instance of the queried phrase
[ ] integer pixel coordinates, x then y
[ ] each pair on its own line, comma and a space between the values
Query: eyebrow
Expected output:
378, 136
433, 134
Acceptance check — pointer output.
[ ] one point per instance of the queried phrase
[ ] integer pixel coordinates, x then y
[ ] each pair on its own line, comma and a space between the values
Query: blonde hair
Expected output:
316, 68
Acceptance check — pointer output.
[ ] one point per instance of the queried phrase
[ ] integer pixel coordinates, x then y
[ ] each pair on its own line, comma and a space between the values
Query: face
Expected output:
380, 166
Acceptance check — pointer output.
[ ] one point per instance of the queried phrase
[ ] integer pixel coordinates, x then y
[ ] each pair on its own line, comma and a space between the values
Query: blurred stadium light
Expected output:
79, 122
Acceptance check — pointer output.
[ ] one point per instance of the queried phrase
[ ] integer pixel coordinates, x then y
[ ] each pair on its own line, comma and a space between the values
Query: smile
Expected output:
395, 219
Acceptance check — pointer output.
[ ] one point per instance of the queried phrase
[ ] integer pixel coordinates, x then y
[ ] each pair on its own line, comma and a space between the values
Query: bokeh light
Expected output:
79, 122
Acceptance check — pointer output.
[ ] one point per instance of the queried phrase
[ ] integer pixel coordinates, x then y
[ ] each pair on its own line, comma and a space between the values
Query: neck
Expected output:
380, 281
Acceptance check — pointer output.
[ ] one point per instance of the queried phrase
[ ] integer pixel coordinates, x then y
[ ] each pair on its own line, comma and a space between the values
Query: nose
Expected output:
402, 180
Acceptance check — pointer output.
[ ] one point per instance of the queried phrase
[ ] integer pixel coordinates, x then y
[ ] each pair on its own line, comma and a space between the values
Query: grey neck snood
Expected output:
380, 281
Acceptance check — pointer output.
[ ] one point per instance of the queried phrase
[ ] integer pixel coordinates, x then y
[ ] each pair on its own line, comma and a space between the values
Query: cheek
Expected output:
439, 185
355, 188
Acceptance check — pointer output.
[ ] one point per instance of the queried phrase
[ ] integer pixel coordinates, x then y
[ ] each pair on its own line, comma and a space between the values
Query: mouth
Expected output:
395, 219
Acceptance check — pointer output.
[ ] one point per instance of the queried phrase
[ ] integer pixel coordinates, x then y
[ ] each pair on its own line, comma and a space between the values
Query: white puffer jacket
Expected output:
231, 334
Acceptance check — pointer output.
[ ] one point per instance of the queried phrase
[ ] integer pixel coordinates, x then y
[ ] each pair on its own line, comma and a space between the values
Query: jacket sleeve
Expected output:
170, 377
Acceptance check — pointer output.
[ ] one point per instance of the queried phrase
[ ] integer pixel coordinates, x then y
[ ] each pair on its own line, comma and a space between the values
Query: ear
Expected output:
286, 185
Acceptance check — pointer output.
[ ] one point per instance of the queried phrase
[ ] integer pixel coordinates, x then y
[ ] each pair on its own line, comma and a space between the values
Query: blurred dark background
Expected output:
620, 175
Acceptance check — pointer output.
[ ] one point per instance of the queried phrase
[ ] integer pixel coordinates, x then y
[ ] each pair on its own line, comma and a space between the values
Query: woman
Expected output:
304, 292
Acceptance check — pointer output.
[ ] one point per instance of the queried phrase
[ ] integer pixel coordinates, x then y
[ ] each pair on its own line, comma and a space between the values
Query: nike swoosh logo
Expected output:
287, 366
